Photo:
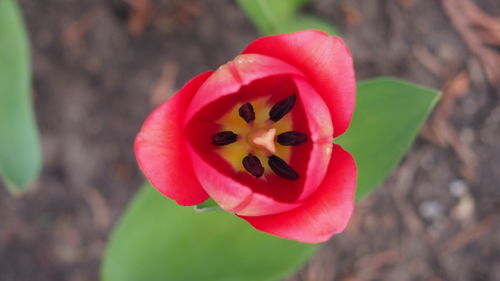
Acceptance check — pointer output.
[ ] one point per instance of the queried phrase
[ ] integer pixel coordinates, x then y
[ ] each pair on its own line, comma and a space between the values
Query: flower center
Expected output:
263, 139
254, 132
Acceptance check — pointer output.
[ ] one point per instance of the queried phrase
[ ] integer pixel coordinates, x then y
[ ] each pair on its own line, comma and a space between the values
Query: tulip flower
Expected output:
257, 136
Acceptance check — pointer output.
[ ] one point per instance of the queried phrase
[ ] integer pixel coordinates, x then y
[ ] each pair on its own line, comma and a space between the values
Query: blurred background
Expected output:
100, 67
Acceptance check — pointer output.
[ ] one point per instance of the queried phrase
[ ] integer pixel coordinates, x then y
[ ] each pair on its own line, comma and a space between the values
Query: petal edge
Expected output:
326, 213
161, 152
313, 52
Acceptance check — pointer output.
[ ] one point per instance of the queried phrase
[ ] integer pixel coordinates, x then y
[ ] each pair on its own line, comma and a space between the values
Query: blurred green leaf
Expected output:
19, 143
282, 16
208, 206
389, 114
157, 240
304, 22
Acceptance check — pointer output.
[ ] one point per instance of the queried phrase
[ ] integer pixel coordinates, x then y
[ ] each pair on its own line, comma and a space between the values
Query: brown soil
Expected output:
99, 69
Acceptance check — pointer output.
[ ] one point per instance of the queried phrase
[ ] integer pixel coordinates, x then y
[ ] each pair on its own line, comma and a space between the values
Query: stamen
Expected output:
253, 166
281, 108
281, 168
292, 138
224, 138
246, 112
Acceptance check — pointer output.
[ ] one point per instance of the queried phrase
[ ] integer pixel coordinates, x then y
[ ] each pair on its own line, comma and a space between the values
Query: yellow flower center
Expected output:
257, 137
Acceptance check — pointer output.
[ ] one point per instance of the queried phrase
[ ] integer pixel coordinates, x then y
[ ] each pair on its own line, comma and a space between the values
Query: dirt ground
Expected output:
101, 66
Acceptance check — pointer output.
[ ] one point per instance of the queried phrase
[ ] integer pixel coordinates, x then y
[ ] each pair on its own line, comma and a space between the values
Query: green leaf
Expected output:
208, 206
157, 240
389, 113
19, 143
282, 16
304, 22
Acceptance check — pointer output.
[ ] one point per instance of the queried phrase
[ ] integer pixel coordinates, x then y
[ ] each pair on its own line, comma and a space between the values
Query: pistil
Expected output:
264, 139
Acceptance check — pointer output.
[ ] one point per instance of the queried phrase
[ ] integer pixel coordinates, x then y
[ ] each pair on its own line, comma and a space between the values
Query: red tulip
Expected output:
256, 136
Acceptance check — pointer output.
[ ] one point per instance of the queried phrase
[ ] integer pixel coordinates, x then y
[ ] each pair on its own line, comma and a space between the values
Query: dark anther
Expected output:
253, 166
282, 169
246, 112
292, 138
224, 138
281, 108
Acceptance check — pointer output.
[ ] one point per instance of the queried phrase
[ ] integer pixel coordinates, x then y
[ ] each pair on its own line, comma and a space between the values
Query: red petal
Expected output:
320, 127
325, 213
233, 196
251, 197
229, 78
327, 63
161, 151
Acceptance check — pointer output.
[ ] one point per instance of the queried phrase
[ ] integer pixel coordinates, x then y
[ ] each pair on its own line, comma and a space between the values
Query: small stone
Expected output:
431, 209
458, 188
464, 209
